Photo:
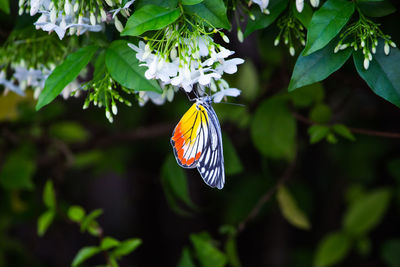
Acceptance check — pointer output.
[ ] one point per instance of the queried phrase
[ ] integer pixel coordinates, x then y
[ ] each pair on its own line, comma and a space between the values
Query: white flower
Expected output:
217, 97
205, 79
314, 3
299, 5
125, 7
35, 5
9, 85
263, 4
229, 66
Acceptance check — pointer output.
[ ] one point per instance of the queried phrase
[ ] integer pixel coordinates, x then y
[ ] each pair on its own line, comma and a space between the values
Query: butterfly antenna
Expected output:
234, 104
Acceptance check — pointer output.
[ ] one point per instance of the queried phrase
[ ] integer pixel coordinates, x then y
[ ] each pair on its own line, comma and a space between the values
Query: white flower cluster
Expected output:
300, 4
263, 4
186, 63
72, 15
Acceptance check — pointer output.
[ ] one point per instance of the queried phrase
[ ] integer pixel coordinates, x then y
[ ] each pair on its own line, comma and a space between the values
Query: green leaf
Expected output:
49, 196
186, 259
90, 218
163, 3
190, 2
390, 252
377, 8
382, 75
84, 254
5, 6
262, 20
273, 129
307, 95
332, 249
126, 247
343, 131
318, 66
108, 243
175, 185
317, 133
233, 165
124, 67
45, 221
76, 213
207, 253
69, 132
363, 246
321, 113
100, 66
18, 169
232, 252
149, 18
326, 23
290, 210
64, 74
366, 212
212, 11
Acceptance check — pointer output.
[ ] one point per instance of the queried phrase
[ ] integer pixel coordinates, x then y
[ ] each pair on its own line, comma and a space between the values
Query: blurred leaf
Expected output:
262, 20
366, 213
126, 247
186, 259
343, 131
317, 66
393, 167
326, 23
273, 129
90, 218
331, 138
386, 69
332, 249
307, 95
390, 252
290, 210
233, 165
49, 196
232, 252
191, 2
108, 243
238, 115
45, 221
5, 6
9, 106
69, 132
353, 193
88, 159
18, 169
212, 11
84, 254
364, 246
175, 184
317, 133
65, 73
124, 67
376, 8
247, 77
321, 113
149, 18
163, 3
305, 15
207, 253
76, 213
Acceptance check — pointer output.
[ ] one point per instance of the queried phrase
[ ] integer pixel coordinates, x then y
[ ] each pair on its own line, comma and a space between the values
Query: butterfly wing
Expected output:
190, 136
211, 163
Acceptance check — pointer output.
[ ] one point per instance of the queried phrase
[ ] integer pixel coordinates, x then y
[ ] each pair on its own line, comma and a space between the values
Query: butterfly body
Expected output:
197, 142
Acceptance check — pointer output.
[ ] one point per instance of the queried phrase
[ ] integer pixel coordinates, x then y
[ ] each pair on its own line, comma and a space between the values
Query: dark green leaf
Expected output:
321, 113
326, 23
84, 254
232, 252
273, 129
163, 3
318, 65
149, 18
307, 95
76, 213
377, 8
317, 133
332, 249
17, 170
100, 66
108, 243
64, 74
366, 212
191, 2
5, 6
126, 247
90, 218
343, 131
49, 196
212, 11
383, 74
45, 221
233, 165
290, 210
207, 253
69, 132
186, 259
262, 20
124, 68
393, 167
390, 252
364, 246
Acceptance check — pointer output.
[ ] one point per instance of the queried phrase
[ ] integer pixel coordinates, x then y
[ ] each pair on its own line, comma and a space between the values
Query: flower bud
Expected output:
76, 7
314, 3
110, 2
276, 42
240, 35
386, 48
366, 63
92, 19
114, 109
292, 51
67, 7
118, 24
392, 44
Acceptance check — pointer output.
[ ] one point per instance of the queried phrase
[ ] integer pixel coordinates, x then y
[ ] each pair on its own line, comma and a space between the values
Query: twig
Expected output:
267, 196
305, 120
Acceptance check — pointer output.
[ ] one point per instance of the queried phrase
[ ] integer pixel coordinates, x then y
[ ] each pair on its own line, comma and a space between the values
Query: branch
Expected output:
305, 120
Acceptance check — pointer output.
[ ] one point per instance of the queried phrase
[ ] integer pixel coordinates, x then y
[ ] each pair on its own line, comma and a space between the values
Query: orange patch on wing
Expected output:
180, 154
190, 161
197, 155
179, 144
183, 161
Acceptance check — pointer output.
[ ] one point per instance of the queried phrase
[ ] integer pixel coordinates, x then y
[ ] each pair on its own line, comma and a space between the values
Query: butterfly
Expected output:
197, 142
